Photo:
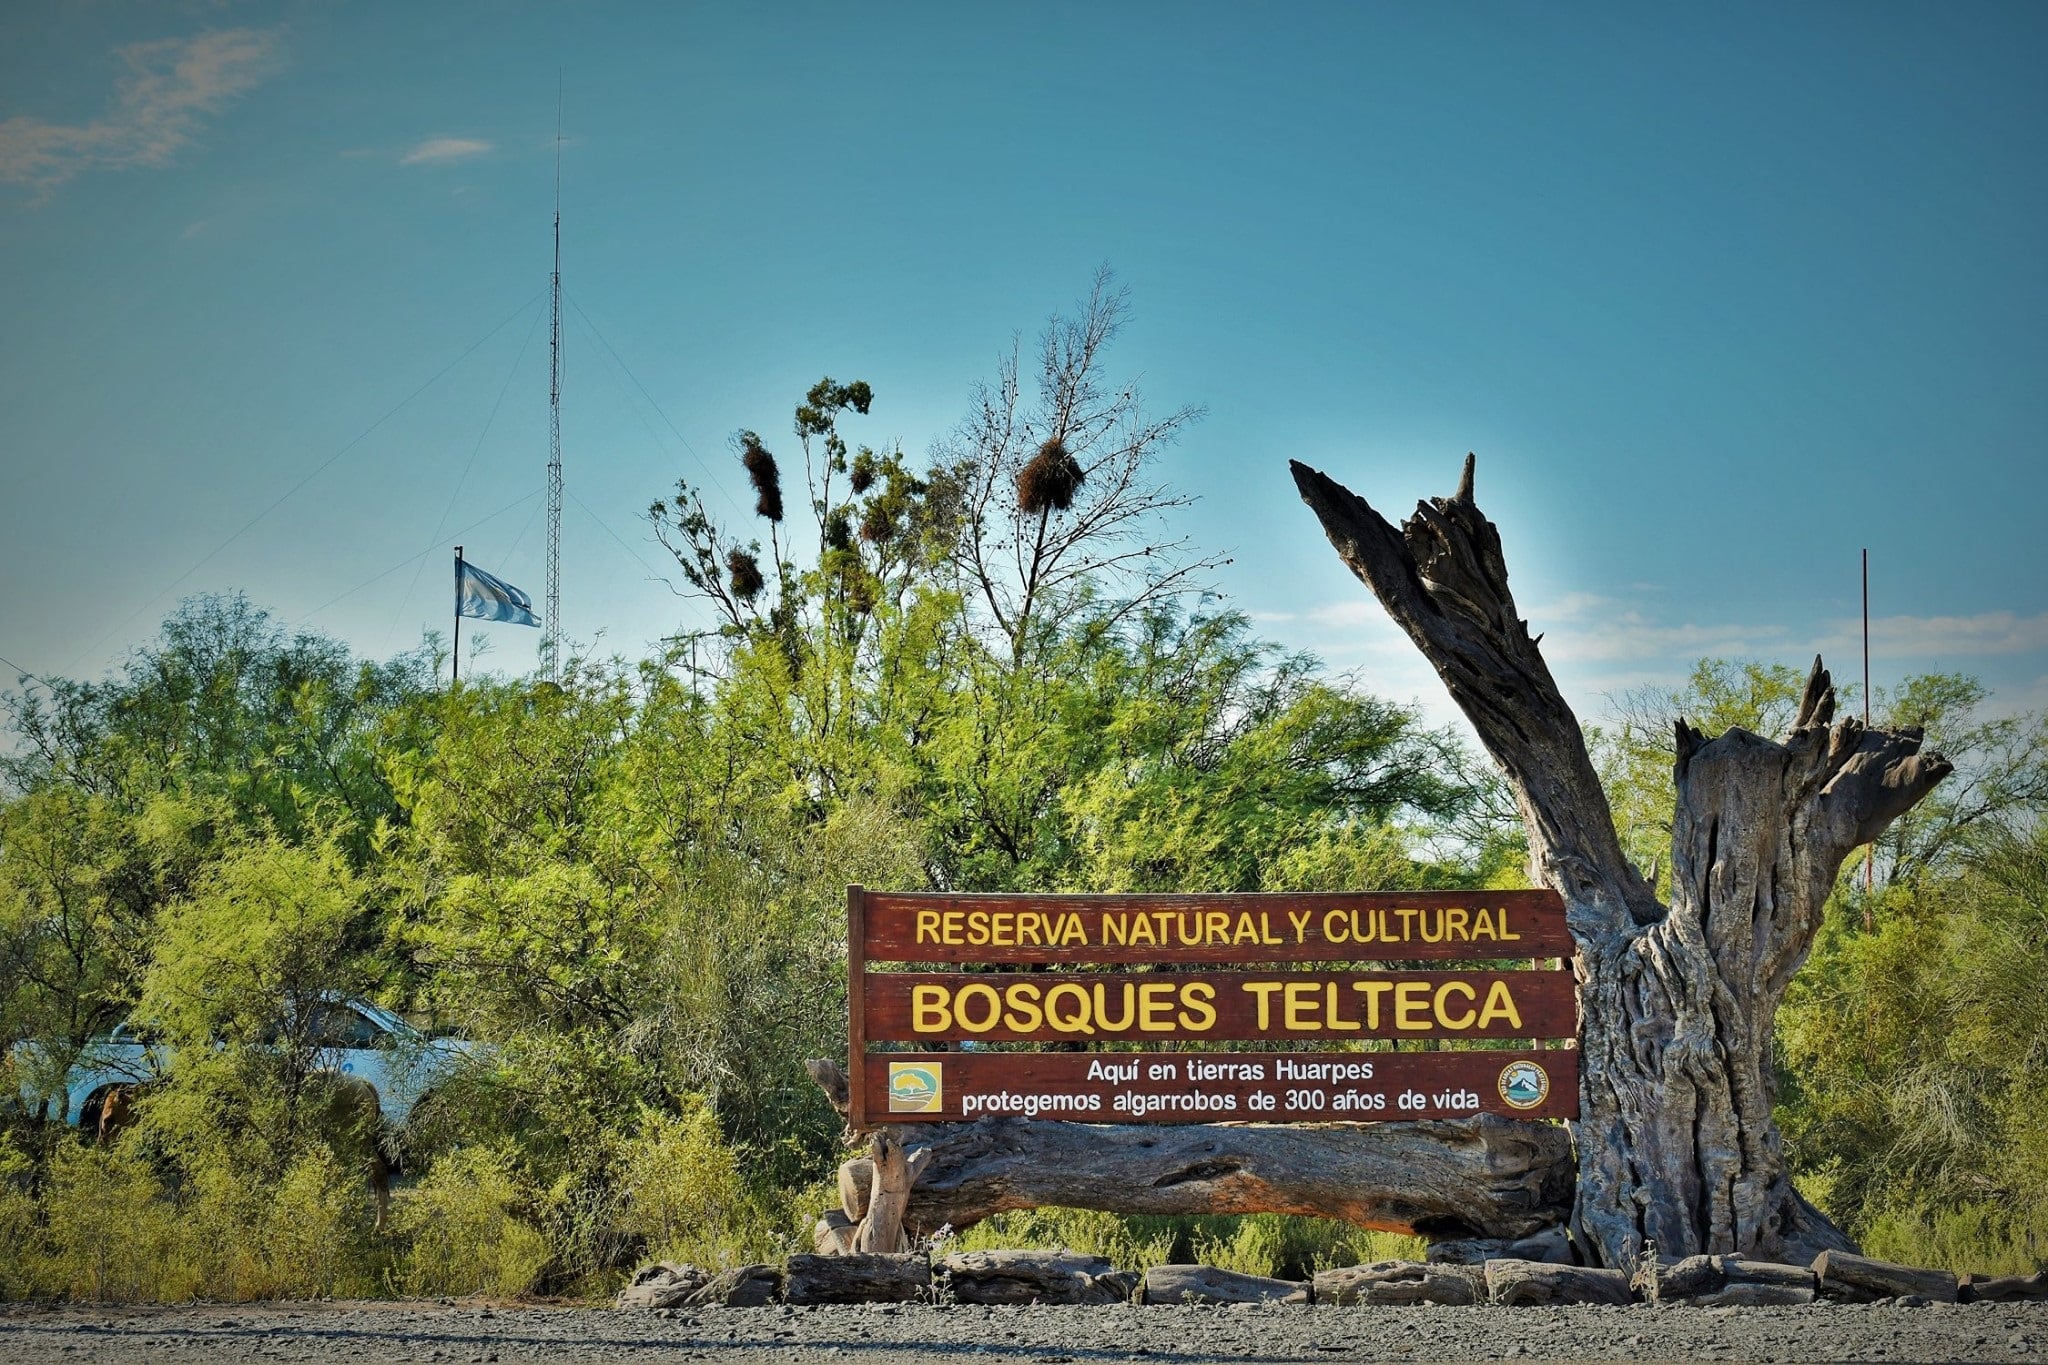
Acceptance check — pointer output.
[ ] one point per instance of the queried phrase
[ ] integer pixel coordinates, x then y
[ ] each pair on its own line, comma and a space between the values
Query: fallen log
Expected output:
1551, 1245
1208, 1284
1724, 1282
2003, 1288
1535, 1283
1030, 1277
663, 1285
855, 1278
746, 1286
1399, 1284
1846, 1276
1478, 1177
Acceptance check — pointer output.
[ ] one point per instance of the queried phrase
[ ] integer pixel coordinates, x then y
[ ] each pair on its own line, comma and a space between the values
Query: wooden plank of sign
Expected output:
1220, 1087
1160, 1007
856, 999
1234, 928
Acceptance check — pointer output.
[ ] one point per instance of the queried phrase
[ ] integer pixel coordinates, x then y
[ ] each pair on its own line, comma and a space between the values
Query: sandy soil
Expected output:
877, 1335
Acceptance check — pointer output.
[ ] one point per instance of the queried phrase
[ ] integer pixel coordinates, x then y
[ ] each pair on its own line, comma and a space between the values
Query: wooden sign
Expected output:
1406, 926
1222, 1087
1511, 993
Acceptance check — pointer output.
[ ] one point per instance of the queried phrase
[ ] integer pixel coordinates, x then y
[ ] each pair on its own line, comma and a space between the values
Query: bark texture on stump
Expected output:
1675, 1138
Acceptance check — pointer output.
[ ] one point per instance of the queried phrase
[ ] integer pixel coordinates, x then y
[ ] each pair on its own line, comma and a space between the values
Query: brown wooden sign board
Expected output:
1260, 1001
1405, 926
1220, 1087
1181, 1007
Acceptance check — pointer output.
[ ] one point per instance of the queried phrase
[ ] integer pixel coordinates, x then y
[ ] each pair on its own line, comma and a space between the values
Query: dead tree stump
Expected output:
893, 1172
1675, 1137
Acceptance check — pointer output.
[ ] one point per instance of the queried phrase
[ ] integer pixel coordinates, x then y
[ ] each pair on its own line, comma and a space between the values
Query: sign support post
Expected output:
856, 1008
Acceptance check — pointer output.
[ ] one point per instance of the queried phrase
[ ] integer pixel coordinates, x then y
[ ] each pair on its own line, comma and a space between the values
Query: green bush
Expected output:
1088, 1231
314, 1240
110, 1234
1273, 1244
1984, 1237
686, 1199
1914, 1057
20, 1222
462, 1231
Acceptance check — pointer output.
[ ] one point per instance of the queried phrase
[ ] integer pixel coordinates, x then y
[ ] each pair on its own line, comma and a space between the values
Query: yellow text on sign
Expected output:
1189, 1008
1069, 1007
1211, 928
1411, 1006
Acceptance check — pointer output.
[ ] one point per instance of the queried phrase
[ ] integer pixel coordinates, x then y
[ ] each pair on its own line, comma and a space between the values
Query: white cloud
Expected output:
1623, 636
436, 151
1600, 646
1989, 632
169, 87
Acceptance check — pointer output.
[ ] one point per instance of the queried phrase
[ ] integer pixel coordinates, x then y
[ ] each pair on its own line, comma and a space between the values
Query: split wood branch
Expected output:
1444, 580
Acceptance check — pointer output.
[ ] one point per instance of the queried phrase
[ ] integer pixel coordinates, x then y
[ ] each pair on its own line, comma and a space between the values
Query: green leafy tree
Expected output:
81, 879
225, 703
1917, 1054
241, 983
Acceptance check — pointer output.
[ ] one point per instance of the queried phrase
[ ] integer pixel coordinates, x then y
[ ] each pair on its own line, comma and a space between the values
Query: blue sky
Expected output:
1719, 295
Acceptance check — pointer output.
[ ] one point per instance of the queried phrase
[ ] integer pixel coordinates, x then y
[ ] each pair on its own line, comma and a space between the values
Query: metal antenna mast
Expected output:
551, 641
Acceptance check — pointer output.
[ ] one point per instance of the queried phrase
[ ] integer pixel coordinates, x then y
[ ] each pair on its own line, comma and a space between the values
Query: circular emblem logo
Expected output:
915, 1089
1524, 1085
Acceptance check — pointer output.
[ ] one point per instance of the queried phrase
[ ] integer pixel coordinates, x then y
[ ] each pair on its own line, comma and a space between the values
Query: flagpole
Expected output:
1870, 858
455, 657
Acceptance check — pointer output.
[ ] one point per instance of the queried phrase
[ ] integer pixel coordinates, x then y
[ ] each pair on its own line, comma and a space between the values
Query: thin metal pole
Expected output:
551, 643
455, 655
1870, 858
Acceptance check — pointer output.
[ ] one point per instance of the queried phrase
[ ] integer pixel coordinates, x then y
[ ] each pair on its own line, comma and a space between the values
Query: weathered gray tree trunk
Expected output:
1675, 1139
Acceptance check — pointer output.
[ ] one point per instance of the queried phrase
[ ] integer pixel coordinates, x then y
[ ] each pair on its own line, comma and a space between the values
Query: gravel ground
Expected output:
876, 1335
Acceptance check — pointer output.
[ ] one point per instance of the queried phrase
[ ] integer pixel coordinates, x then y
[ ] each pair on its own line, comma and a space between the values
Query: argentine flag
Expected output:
487, 598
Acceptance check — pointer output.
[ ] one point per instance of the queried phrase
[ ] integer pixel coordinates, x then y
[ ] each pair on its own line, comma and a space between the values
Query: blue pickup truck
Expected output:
353, 1037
